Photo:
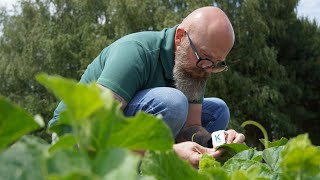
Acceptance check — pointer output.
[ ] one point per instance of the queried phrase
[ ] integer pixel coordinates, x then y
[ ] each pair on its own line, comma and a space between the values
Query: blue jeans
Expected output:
172, 104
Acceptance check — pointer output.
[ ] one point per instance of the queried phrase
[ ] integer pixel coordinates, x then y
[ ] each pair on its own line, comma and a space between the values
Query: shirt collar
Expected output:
167, 52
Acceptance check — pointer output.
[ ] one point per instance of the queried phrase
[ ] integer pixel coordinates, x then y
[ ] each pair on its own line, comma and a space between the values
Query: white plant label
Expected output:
218, 138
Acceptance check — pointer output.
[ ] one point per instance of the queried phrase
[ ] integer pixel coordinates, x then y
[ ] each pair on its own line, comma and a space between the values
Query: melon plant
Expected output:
97, 142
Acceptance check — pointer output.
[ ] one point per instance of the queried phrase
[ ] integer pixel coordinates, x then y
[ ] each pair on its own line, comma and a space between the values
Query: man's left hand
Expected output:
231, 136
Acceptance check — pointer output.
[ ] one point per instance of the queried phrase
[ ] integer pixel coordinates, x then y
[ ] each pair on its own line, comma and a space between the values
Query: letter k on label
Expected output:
218, 138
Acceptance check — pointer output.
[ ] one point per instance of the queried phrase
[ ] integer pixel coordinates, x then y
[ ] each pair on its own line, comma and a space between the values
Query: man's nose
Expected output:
209, 70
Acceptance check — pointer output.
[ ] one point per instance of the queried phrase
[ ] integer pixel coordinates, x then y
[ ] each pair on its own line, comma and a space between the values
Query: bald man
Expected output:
165, 73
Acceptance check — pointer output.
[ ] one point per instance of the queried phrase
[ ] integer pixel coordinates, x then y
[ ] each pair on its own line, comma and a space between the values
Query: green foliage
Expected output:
14, 122
97, 147
277, 143
208, 161
300, 159
167, 166
251, 154
101, 140
85, 116
230, 150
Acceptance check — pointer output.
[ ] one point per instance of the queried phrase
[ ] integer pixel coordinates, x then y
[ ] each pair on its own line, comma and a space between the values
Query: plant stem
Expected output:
265, 134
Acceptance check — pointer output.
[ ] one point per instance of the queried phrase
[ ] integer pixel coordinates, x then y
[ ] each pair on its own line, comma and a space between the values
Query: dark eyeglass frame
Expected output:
218, 66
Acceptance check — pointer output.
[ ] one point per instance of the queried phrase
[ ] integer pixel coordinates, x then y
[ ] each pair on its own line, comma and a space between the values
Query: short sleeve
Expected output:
126, 69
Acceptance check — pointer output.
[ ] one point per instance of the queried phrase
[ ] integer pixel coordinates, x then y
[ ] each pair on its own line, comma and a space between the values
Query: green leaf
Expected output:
240, 175
93, 133
81, 99
64, 124
14, 123
254, 168
67, 161
212, 168
67, 141
72, 176
251, 154
104, 126
141, 132
117, 164
300, 158
215, 173
283, 141
24, 159
272, 157
167, 165
208, 161
229, 150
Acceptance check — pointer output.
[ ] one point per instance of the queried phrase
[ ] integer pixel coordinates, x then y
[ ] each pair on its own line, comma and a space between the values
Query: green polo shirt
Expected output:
135, 62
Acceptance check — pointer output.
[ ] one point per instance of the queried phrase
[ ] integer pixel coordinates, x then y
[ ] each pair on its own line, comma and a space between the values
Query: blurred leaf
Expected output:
240, 175
117, 164
14, 123
65, 162
142, 131
72, 176
24, 159
208, 161
67, 141
300, 158
167, 165
70, 92
212, 168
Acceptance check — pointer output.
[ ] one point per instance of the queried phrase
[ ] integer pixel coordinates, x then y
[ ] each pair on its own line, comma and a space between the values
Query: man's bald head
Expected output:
211, 31
212, 36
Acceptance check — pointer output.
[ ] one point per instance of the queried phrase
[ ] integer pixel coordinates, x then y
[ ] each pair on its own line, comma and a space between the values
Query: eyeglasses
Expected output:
205, 63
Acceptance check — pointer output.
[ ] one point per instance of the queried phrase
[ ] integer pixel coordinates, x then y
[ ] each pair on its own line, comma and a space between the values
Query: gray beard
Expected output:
191, 86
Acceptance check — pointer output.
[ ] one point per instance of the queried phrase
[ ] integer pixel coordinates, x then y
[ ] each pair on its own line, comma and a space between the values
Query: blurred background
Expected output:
274, 67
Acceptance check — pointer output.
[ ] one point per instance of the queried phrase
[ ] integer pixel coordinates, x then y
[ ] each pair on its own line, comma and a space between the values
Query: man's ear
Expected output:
179, 36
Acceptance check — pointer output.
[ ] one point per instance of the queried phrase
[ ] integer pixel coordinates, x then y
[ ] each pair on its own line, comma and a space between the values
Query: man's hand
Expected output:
194, 133
231, 136
192, 152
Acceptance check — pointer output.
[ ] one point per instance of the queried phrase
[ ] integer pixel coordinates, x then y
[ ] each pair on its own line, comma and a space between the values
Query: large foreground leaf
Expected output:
67, 141
300, 158
98, 123
117, 164
80, 99
66, 162
167, 165
14, 123
142, 132
24, 159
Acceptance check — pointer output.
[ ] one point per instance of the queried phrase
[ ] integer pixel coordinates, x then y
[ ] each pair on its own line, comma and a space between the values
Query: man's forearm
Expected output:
196, 134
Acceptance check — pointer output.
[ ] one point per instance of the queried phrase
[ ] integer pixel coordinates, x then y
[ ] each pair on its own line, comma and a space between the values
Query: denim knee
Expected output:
171, 103
215, 114
175, 109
